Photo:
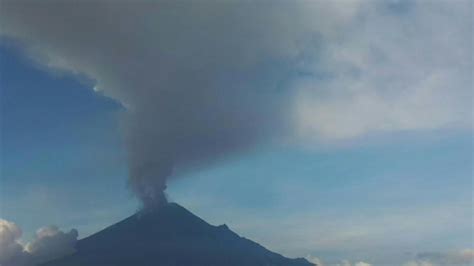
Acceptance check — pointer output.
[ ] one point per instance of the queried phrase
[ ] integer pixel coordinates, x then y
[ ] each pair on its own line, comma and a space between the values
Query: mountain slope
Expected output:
171, 236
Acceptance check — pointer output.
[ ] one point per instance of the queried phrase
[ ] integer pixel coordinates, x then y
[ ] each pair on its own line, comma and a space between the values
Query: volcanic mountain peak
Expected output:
171, 236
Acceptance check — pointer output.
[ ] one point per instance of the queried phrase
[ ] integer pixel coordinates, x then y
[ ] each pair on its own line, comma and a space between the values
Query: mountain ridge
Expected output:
171, 236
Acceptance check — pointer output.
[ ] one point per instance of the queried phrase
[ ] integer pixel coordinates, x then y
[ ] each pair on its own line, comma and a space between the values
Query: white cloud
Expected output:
344, 263
319, 262
391, 73
418, 263
348, 263
464, 257
361, 263
11, 251
314, 260
49, 243
449, 258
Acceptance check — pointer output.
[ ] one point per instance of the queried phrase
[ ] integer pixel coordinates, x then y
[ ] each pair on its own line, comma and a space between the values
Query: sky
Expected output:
392, 187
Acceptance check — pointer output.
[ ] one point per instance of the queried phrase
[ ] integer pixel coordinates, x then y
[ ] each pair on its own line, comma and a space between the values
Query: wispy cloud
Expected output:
391, 72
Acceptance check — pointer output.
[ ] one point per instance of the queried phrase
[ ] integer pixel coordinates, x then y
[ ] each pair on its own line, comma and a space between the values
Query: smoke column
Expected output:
185, 72
202, 80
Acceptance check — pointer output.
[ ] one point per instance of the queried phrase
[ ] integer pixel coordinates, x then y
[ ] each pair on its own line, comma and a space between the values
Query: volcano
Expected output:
171, 236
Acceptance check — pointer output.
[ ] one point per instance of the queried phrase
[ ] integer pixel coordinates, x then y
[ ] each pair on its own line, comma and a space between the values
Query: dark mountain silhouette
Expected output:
171, 236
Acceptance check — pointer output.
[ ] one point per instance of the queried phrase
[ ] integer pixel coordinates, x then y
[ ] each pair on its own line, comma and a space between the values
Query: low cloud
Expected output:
463, 257
459, 257
314, 260
361, 263
319, 262
418, 263
12, 252
348, 263
49, 243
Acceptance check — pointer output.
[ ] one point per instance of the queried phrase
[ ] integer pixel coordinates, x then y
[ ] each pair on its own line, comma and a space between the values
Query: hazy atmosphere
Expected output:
335, 131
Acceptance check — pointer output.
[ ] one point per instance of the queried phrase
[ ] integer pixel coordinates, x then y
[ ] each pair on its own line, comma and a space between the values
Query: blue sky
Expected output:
413, 190
61, 136
334, 130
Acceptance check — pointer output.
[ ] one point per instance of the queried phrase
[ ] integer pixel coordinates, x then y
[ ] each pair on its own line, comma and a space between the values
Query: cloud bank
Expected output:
463, 257
11, 251
49, 243
202, 80
319, 262
458, 257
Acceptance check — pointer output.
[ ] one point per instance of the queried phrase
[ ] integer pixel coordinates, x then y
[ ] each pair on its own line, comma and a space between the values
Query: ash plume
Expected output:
182, 70
203, 80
